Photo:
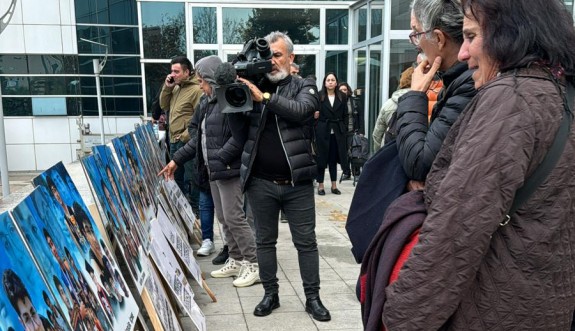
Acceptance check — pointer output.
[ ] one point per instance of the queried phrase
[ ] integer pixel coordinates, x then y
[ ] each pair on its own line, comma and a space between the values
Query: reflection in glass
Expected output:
360, 62
374, 85
336, 61
163, 29
120, 40
155, 74
17, 106
121, 12
15, 85
402, 55
337, 21
205, 25
242, 24
201, 53
45, 85
121, 86
306, 64
112, 106
115, 65
376, 20
400, 15
361, 19
13, 64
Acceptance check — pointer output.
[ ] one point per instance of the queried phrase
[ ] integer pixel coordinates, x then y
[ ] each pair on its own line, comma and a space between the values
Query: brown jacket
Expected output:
468, 272
181, 100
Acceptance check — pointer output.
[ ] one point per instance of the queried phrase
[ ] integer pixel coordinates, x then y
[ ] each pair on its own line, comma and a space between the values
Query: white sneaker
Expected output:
230, 269
207, 248
249, 275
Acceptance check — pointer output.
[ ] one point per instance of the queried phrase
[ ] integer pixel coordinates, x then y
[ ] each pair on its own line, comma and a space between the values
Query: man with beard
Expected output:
277, 173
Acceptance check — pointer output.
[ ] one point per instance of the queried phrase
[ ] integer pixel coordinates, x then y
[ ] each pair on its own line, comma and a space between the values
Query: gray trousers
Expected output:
266, 199
229, 206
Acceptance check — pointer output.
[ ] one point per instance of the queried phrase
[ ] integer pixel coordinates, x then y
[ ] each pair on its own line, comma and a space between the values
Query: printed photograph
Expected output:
92, 258
148, 157
26, 302
161, 302
129, 242
133, 168
58, 259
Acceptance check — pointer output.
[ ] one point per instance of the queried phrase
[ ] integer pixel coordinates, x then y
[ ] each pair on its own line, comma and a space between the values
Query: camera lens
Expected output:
236, 96
263, 48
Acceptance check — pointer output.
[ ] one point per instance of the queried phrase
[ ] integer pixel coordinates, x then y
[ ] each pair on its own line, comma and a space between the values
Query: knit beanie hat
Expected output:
206, 68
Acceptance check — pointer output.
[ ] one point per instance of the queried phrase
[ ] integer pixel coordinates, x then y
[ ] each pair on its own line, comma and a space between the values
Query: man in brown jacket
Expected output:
180, 95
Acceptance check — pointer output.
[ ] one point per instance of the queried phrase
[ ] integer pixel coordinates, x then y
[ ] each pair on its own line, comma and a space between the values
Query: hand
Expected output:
169, 170
170, 81
423, 75
257, 95
414, 185
316, 115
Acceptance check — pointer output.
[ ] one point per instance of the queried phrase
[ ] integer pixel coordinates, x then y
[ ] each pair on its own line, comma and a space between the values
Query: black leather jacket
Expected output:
294, 105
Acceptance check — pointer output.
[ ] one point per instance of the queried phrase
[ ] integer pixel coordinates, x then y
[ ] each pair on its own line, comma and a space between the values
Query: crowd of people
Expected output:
473, 118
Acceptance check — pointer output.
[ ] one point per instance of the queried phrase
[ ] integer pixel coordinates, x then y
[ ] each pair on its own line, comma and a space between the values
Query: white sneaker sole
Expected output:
224, 275
245, 283
198, 253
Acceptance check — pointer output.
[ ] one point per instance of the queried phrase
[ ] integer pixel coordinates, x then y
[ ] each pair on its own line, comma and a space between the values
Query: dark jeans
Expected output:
183, 177
207, 215
266, 200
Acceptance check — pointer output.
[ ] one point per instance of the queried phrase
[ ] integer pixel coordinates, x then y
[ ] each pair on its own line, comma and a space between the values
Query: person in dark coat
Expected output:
438, 34
331, 132
355, 120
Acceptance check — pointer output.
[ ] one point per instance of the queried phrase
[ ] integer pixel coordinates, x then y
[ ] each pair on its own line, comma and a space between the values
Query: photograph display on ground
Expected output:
148, 157
62, 263
92, 257
133, 168
129, 243
161, 303
26, 303
131, 213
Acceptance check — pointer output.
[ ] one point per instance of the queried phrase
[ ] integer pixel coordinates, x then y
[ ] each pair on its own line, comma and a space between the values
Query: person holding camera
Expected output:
218, 150
181, 94
278, 170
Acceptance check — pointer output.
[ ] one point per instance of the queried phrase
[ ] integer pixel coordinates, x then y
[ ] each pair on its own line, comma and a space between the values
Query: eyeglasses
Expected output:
415, 37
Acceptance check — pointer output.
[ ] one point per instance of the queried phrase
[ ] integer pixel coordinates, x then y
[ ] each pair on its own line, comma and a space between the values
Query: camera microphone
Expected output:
225, 74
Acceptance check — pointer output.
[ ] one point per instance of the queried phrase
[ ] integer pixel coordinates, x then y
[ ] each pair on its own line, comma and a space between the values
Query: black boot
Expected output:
268, 303
222, 257
314, 307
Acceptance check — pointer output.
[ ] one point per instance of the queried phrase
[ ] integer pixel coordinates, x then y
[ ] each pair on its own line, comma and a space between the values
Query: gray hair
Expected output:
276, 35
445, 15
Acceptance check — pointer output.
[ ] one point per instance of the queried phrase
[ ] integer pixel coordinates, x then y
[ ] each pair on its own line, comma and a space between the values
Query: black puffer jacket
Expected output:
224, 150
294, 104
418, 142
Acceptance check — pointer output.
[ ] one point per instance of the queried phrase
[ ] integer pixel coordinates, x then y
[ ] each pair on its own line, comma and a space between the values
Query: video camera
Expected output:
252, 63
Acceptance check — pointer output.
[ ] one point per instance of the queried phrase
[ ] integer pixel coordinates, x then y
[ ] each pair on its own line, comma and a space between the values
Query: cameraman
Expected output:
277, 173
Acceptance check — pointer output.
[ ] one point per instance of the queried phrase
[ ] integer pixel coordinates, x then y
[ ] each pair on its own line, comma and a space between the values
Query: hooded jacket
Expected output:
181, 100
384, 117
223, 149
468, 272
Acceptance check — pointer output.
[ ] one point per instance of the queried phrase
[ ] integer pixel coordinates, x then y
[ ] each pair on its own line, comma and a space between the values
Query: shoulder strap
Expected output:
550, 160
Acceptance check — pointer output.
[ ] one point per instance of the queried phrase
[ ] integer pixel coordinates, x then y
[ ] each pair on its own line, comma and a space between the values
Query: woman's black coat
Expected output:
335, 118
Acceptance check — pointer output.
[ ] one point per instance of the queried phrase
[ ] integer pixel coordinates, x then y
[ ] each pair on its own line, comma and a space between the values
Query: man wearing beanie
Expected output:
219, 152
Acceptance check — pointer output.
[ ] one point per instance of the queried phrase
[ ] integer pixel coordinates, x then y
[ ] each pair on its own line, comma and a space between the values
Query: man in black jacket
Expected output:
277, 173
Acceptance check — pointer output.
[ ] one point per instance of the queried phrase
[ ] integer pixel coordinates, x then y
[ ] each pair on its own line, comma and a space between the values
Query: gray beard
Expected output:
275, 78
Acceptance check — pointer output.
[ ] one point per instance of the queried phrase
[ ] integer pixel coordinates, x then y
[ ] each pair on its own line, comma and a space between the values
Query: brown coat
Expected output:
468, 272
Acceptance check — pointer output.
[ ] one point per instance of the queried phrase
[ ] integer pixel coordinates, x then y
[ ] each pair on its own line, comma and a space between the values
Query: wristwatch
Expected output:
266, 98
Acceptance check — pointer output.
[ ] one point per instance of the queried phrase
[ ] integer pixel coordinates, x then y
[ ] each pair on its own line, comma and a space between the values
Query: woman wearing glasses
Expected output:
436, 26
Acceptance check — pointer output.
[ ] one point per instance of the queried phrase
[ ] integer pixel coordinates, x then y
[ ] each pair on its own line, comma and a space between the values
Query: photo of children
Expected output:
135, 218
26, 303
154, 144
129, 242
147, 157
133, 169
84, 310
91, 251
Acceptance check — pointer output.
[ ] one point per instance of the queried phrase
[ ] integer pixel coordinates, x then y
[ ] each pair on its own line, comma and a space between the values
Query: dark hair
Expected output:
46, 297
349, 91
323, 91
88, 267
517, 33
184, 62
14, 288
46, 234
50, 182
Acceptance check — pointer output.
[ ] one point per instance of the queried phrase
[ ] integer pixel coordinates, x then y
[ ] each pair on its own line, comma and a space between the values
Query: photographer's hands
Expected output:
257, 95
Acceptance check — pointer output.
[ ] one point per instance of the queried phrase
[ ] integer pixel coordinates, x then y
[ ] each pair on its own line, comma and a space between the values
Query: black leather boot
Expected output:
268, 303
317, 310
